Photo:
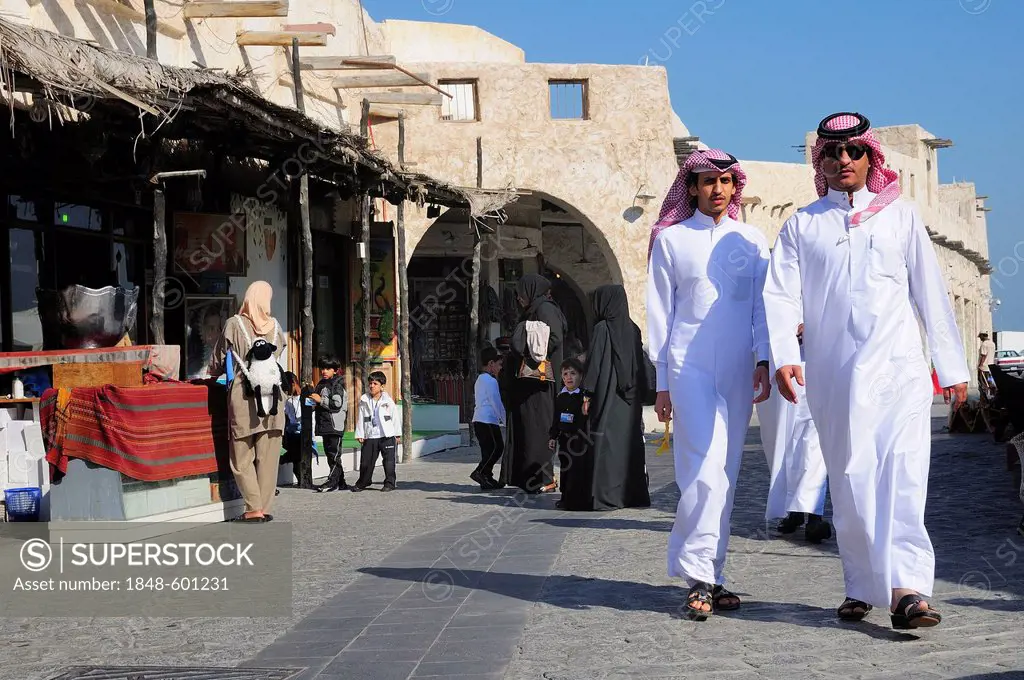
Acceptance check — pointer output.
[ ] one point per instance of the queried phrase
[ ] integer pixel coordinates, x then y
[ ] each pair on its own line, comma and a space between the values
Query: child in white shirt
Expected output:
488, 416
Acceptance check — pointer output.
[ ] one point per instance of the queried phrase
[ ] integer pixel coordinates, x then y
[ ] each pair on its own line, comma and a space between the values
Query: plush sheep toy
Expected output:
264, 376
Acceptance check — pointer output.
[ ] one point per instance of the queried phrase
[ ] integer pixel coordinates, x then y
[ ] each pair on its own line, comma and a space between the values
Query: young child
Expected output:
292, 422
376, 432
488, 416
566, 433
330, 412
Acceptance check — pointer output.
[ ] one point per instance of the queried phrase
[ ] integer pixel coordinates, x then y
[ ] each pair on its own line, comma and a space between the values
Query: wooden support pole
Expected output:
305, 471
150, 29
474, 297
364, 128
404, 353
156, 321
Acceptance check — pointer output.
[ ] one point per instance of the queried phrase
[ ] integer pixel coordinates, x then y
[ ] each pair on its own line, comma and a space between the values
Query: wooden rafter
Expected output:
281, 38
408, 98
379, 80
227, 9
385, 61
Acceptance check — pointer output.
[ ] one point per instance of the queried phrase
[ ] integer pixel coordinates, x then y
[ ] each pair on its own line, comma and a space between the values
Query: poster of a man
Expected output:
205, 317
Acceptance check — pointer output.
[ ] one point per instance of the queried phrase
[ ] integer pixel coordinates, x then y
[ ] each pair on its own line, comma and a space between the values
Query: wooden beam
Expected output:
248, 8
130, 13
156, 320
378, 111
281, 38
384, 61
314, 28
409, 98
404, 353
378, 80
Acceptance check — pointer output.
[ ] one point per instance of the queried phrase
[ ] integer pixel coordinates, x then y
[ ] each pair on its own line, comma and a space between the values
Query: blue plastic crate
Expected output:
23, 504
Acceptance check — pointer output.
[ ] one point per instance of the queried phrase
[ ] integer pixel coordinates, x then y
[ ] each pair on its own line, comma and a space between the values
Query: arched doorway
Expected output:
541, 235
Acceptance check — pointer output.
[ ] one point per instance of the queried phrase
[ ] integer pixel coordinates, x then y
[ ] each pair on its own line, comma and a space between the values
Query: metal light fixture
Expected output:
433, 211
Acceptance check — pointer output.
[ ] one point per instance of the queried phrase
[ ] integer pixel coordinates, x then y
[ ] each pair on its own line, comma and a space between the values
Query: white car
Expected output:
1009, 359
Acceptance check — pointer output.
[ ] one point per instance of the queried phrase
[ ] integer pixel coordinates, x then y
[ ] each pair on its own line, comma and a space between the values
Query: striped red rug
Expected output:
152, 433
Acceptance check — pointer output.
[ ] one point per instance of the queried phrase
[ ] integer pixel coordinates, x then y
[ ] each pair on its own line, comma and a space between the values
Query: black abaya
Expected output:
617, 454
527, 461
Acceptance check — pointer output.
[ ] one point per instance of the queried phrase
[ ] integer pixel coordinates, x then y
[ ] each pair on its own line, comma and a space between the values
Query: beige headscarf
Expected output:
256, 307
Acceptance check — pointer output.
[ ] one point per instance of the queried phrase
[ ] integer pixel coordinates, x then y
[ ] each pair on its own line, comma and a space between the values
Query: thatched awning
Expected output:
73, 80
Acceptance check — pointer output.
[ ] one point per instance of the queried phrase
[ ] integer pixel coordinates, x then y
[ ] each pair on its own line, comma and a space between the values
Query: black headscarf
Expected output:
534, 289
611, 307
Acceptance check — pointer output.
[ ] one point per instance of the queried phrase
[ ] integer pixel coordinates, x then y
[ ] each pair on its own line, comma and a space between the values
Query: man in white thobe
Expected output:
854, 266
798, 483
706, 330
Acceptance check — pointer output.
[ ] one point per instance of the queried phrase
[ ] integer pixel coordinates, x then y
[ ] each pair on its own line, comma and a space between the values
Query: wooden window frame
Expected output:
476, 99
585, 95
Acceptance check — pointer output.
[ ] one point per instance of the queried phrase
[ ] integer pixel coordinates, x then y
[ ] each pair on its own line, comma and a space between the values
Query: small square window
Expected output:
462, 105
568, 99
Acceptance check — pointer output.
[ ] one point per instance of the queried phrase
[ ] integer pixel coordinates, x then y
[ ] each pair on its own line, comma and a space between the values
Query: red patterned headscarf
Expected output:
853, 127
679, 205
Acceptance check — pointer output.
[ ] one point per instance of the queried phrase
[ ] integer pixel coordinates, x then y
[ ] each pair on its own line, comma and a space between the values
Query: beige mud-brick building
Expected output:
592, 148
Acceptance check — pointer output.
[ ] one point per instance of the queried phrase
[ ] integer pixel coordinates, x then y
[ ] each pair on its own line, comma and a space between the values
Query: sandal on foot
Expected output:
910, 615
848, 610
700, 594
732, 601
250, 520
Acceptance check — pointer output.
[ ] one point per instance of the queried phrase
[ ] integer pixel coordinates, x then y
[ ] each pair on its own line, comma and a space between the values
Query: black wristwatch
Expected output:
762, 364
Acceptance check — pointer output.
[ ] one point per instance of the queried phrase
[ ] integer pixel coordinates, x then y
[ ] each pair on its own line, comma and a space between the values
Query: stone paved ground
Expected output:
459, 583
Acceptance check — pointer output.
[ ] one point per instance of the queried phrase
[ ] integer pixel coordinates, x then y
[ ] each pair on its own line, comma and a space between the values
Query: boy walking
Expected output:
376, 430
330, 412
488, 416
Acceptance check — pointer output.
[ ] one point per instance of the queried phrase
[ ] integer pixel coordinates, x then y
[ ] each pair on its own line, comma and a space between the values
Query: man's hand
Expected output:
551, 444
762, 383
784, 379
958, 393
663, 407
315, 397
360, 441
586, 406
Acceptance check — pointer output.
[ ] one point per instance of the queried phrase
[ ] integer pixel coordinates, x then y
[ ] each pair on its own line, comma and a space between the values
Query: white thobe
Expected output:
869, 385
797, 469
706, 326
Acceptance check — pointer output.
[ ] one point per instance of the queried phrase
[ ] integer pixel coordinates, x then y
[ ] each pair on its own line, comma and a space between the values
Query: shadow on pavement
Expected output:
573, 592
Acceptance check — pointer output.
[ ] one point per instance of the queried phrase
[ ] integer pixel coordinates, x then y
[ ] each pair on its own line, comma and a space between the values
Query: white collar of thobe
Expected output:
861, 198
702, 220
565, 390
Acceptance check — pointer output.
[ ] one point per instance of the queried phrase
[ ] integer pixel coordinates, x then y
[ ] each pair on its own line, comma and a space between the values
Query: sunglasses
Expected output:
835, 151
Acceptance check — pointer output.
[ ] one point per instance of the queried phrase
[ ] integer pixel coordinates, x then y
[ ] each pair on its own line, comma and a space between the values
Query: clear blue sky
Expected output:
755, 75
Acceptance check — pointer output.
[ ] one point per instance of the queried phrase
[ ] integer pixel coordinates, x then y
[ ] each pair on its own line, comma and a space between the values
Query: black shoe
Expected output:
334, 482
793, 521
357, 488
480, 479
817, 529
495, 484
388, 487
277, 492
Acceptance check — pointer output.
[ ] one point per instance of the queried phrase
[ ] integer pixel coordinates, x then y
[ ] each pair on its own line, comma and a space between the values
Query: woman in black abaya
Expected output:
616, 377
529, 403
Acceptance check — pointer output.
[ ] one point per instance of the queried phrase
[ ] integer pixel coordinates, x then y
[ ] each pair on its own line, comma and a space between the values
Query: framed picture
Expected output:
205, 316
210, 244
